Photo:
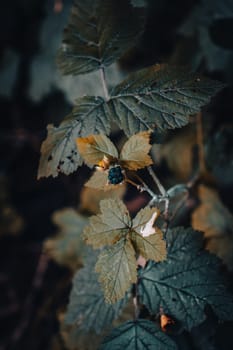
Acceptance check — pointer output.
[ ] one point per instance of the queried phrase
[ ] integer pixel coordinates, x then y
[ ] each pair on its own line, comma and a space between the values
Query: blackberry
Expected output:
115, 175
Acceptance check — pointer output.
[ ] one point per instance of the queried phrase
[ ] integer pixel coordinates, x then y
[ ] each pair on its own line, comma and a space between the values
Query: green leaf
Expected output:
87, 308
109, 226
186, 282
117, 268
67, 247
183, 241
138, 335
160, 97
98, 33
59, 151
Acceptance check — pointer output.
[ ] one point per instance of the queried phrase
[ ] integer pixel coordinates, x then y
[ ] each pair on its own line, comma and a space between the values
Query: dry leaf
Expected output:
134, 154
215, 220
165, 321
95, 147
149, 228
90, 198
178, 152
123, 237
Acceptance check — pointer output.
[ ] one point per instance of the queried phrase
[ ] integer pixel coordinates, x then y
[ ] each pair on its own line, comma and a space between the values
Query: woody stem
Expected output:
104, 83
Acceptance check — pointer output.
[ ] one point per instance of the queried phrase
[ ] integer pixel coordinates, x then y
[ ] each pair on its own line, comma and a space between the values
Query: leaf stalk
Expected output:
104, 84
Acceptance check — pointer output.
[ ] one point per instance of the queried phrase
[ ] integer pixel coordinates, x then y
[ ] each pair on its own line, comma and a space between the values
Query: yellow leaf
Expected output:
147, 238
134, 154
216, 221
90, 198
117, 268
109, 226
211, 216
95, 147
178, 152
152, 247
144, 221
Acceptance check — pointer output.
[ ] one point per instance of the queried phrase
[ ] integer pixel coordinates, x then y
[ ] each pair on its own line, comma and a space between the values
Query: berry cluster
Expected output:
115, 175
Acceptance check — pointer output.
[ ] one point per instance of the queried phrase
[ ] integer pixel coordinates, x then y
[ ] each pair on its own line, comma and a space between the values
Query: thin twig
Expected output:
157, 181
200, 143
162, 190
104, 83
29, 303
142, 188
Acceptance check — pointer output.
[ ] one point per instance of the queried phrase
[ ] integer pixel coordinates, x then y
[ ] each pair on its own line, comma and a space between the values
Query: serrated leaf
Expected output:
98, 33
109, 226
134, 154
115, 213
99, 234
160, 97
67, 247
115, 223
94, 148
183, 241
139, 334
152, 247
59, 150
117, 268
114, 227
143, 223
185, 284
87, 307
148, 239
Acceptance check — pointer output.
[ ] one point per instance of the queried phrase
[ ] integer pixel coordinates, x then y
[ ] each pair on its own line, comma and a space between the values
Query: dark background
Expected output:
33, 94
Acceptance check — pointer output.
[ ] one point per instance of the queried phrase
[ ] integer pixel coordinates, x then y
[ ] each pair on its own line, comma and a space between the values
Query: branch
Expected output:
143, 188
30, 300
157, 182
104, 84
200, 143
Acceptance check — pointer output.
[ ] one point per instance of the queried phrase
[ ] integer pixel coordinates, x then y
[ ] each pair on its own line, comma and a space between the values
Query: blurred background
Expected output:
198, 34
